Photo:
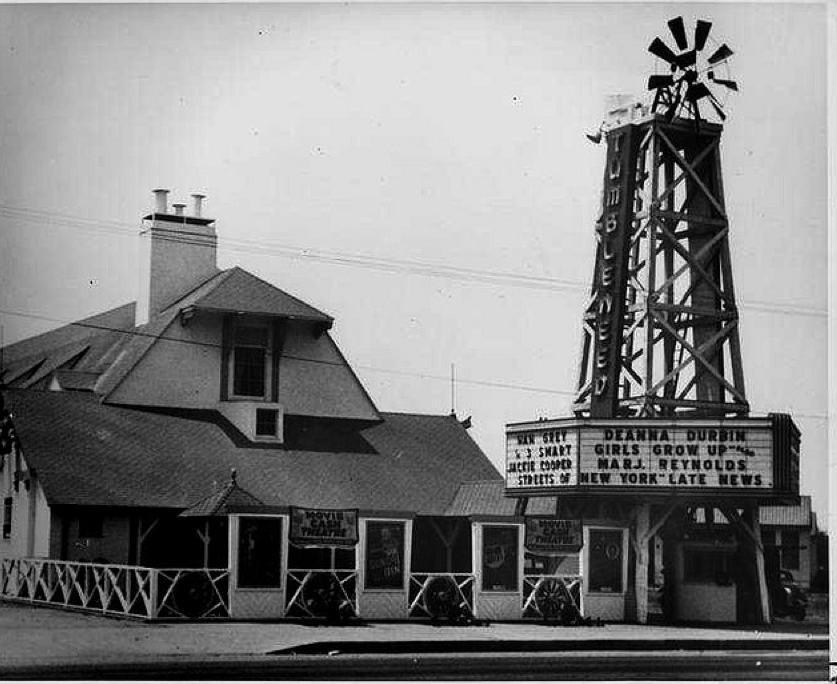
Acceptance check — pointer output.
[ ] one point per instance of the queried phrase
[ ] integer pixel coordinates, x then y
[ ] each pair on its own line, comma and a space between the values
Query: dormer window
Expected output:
250, 361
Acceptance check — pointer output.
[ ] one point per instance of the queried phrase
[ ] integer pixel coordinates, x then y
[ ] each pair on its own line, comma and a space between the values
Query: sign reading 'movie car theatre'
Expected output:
751, 454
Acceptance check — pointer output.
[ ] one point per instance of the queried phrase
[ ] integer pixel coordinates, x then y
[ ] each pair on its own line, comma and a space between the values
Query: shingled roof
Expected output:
488, 498
89, 345
89, 453
222, 501
787, 516
110, 344
237, 291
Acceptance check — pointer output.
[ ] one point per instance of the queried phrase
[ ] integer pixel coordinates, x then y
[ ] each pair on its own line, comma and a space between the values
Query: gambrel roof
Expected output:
110, 344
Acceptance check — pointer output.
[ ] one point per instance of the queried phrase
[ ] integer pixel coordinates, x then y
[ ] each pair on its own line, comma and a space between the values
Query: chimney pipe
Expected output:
178, 208
196, 212
162, 200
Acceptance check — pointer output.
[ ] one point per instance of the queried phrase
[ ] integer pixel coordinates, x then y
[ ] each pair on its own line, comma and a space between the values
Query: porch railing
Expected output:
438, 594
127, 590
552, 597
330, 594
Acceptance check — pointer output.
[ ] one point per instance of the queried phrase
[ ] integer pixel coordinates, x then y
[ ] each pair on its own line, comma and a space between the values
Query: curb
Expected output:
541, 646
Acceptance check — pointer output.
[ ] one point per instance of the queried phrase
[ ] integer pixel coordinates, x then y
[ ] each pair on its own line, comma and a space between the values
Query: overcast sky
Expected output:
418, 171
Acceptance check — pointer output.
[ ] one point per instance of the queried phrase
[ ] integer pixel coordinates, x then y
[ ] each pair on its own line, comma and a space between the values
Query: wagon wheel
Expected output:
552, 600
321, 594
193, 594
441, 597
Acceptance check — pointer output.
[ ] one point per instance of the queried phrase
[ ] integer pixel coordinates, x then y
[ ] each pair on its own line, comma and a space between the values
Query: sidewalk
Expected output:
44, 635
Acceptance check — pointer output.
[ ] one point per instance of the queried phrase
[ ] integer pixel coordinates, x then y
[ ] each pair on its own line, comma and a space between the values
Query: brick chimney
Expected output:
177, 253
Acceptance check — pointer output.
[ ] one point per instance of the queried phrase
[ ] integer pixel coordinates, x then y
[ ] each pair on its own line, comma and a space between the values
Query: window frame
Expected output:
514, 561
401, 525
257, 324
275, 420
590, 532
277, 554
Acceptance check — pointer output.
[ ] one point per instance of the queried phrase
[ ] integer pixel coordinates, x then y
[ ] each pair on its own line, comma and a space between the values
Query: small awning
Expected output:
220, 503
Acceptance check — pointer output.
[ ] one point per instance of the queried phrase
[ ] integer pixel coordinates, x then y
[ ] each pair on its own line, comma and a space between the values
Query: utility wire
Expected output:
375, 369
426, 376
361, 260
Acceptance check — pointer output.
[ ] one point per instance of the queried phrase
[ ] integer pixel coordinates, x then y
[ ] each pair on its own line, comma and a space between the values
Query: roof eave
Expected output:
326, 321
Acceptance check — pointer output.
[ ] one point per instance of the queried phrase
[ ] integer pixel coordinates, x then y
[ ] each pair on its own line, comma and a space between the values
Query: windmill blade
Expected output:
660, 81
732, 85
701, 33
697, 91
687, 59
679, 32
720, 54
663, 51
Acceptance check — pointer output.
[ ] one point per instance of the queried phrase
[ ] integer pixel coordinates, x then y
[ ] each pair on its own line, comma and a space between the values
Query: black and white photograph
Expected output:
415, 340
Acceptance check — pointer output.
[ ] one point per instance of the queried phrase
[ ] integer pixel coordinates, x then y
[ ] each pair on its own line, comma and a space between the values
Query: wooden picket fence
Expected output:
123, 590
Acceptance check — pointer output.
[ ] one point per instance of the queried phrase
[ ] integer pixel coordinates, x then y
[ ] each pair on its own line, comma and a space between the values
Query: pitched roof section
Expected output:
488, 498
229, 497
110, 344
787, 516
88, 345
135, 347
121, 318
241, 292
89, 453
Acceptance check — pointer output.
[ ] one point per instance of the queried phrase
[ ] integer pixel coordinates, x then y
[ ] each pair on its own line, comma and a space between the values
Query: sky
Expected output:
418, 171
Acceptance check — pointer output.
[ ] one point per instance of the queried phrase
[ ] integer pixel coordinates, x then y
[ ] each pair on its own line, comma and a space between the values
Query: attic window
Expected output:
250, 361
267, 422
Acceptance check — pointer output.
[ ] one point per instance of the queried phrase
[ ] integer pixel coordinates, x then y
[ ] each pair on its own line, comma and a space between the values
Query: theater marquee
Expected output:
743, 455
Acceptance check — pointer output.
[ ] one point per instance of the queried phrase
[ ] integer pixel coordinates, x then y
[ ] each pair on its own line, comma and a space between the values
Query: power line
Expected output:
357, 260
426, 376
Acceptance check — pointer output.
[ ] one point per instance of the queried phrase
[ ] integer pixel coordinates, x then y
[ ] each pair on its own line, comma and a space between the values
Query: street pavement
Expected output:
48, 637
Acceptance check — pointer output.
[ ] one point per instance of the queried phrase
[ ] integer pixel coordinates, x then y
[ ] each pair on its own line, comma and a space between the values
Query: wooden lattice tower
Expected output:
661, 335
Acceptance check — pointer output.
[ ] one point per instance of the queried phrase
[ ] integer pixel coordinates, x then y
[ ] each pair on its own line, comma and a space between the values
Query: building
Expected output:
207, 450
789, 534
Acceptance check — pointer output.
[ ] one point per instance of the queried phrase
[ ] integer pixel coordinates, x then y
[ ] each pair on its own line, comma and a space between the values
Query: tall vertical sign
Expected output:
613, 231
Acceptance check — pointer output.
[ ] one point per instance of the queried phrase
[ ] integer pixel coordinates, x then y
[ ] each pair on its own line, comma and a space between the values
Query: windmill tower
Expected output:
661, 326
649, 454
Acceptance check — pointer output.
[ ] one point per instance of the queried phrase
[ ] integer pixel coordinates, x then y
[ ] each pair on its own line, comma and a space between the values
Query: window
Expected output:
89, 525
267, 421
7, 517
790, 549
499, 558
707, 566
250, 361
564, 564
259, 553
384, 555
605, 561
320, 558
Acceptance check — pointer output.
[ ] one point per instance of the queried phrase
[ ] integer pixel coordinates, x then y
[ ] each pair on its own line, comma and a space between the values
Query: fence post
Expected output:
155, 609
